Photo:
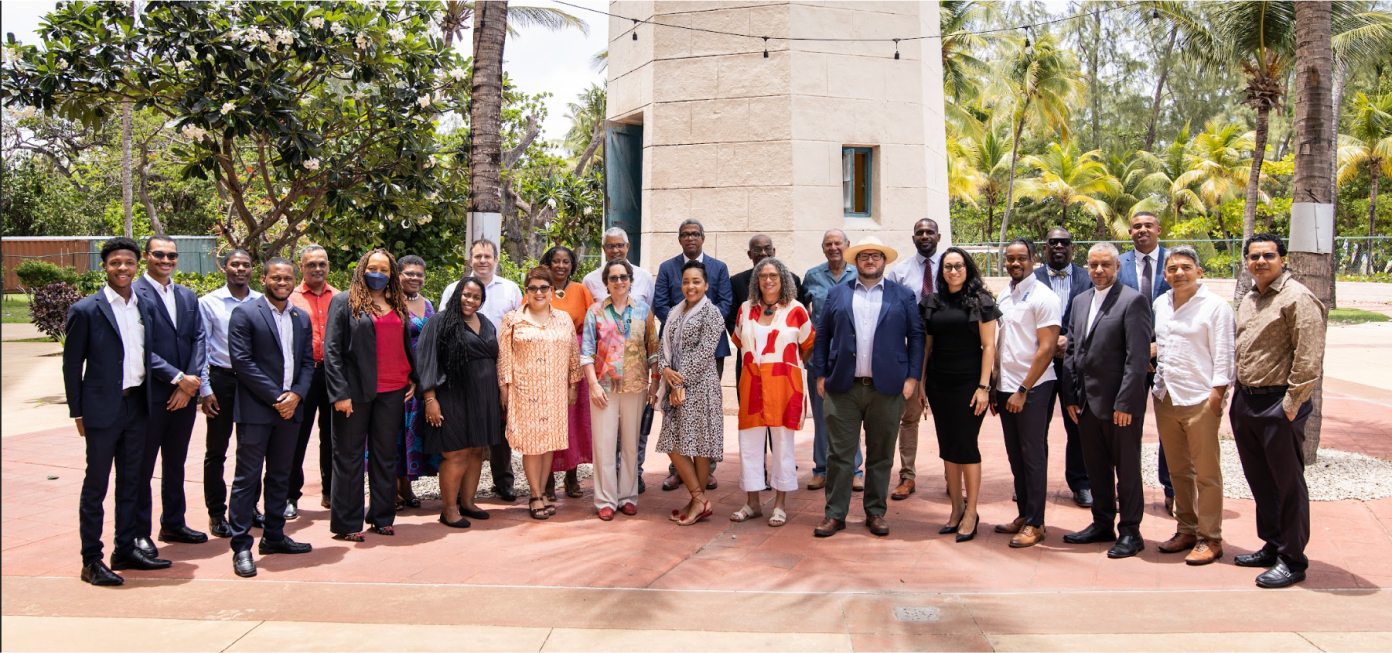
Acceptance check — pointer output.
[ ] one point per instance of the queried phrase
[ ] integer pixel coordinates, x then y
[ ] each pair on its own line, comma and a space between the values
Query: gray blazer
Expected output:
1105, 370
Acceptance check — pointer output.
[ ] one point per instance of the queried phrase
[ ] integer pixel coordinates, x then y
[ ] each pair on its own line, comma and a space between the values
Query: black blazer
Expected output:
253, 344
739, 287
1081, 282
1105, 370
350, 353
173, 350
93, 360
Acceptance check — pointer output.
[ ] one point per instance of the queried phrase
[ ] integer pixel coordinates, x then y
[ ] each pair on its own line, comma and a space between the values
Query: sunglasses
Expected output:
954, 267
1060, 242
538, 290
163, 256
1263, 256
619, 278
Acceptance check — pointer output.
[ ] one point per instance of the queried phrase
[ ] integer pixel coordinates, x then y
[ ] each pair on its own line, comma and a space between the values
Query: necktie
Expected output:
929, 283
1058, 273
1146, 279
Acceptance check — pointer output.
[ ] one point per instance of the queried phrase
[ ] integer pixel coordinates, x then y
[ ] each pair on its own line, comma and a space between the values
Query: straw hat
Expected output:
871, 242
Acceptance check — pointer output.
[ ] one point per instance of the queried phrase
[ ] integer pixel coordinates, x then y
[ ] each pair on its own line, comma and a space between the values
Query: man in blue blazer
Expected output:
1067, 280
867, 360
177, 356
272, 351
668, 292
1141, 269
105, 360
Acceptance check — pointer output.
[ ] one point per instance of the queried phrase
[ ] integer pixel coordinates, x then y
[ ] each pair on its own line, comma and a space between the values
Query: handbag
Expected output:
645, 427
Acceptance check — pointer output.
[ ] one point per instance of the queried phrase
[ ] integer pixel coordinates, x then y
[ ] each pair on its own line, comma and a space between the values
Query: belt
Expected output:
1263, 390
126, 392
865, 380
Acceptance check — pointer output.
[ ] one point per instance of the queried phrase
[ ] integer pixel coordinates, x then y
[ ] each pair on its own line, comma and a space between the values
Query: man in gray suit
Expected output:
1105, 392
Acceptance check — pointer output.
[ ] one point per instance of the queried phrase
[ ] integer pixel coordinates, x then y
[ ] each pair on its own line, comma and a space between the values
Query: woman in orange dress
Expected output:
538, 367
575, 299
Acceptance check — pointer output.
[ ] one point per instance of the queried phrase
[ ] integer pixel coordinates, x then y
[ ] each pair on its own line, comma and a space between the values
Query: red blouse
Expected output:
393, 370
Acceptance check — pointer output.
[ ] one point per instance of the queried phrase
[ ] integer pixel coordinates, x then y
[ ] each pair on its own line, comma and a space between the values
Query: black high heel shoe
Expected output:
967, 537
952, 528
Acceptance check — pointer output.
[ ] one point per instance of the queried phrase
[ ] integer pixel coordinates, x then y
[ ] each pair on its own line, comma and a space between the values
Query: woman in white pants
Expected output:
619, 355
774, 334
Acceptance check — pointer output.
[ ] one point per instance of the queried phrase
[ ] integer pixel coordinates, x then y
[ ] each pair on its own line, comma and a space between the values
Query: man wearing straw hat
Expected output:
867, 361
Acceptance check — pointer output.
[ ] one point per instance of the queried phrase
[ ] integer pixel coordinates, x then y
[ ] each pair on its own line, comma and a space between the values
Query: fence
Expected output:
1352, 254
83, 253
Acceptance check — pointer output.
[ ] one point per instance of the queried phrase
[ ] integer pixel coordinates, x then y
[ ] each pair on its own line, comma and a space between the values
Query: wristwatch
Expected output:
1023, 390
982, 386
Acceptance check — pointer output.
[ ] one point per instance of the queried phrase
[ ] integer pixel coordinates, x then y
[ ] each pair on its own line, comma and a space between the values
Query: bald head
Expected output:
760, 248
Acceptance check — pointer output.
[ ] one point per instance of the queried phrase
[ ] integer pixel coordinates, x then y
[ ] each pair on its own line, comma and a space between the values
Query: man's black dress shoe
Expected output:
877, 525
504, 494
136, 559
1083, 498
101, 575
144, 545
219, 527
642, 487
286, 545
1261, 558
828, 527
1093, 533
1126, 546
243, 565
291, 511
182, 535
1279, 576
258, 520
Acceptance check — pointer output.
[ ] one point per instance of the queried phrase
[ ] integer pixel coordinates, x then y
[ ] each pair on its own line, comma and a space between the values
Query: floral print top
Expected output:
622, 345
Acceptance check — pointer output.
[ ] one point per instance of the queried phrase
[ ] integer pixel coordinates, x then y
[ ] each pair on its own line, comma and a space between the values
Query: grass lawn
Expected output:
1348, 316
16, 309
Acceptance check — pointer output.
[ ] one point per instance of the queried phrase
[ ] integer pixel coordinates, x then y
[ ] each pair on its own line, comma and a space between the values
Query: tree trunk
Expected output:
1159, 88
1092, 75
1372, 218
1010, 186
126, 166
486, 115
1340, 75
155, 224
1314, 165
1249, 213
990, 218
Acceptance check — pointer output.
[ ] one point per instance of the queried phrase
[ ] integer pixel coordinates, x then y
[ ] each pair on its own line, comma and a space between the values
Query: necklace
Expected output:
412, 298
560, 292
768, 308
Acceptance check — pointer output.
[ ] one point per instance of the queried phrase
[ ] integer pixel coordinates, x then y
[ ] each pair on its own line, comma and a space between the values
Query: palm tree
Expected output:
962, 177
1216, 168
962, 70
1072, 179
990, 158
459, 16
1160, 191
1361, 38
584, 114
1368, 147
1187, 38
1130, 172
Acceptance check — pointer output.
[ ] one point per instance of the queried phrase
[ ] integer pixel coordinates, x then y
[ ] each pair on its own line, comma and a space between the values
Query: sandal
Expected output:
779, 518
690, 520
349, 537
745, 513
572, 485
384, 530
537, 513
550, 492
550, 509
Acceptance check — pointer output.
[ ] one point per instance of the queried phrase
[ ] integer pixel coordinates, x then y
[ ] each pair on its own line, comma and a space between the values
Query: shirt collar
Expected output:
1067, 271
1102, 294
699, 257
114, 298
164, 288
1275, 287
861, 284
225, 293
1023, 288
304, 288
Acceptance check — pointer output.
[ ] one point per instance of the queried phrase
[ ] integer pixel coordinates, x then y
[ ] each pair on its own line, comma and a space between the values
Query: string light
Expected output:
635, 28
765, 47
896, 48
1026, 30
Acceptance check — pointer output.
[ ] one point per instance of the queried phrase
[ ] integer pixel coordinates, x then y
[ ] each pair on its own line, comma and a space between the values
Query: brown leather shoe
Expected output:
829, 526
817, 483
1169, 506
858, 484
906, 487
1205, 552
1011, 528
1028, 536
1180, 542
877, 524
711, 483
672, 482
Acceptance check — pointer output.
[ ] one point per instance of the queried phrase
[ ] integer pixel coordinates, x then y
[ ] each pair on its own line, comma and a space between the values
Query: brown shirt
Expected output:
1280, 339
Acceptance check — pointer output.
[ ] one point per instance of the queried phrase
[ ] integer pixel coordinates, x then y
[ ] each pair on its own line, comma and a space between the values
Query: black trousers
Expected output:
219, 436
1027, 448
1074, 469
316, 402
262, 446
122, 446
371, 431
499, 458
167, 435
1113, 457
1273, 460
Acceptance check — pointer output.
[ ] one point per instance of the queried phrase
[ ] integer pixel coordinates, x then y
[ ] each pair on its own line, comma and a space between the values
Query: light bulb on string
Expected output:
635, 29
765, 47
896, 48
1155, 14
1027, 39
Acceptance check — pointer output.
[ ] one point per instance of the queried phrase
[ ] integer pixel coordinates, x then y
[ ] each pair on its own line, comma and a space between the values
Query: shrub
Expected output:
35, 273
48, 309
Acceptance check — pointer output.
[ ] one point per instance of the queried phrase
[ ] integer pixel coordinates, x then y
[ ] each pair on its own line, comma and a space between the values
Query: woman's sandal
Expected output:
779, 518
690, 519
537, 513
745, 513
384, 530
549, 492
350, 537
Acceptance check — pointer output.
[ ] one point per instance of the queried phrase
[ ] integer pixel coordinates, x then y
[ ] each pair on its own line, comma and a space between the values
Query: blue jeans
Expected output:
819, 440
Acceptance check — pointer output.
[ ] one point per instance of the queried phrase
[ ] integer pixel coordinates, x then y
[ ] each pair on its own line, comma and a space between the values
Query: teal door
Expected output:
623, 186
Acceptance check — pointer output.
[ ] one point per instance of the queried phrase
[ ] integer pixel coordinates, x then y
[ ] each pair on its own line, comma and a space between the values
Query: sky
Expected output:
535, 61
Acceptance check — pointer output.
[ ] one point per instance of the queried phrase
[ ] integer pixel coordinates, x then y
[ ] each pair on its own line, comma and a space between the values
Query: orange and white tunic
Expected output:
772, 386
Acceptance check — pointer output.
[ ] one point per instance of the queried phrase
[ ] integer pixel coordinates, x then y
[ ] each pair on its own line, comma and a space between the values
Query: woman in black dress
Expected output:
458, 359
960, 320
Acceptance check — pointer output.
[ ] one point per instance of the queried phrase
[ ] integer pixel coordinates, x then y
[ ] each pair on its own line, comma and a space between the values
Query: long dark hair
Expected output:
974, 294
452, 350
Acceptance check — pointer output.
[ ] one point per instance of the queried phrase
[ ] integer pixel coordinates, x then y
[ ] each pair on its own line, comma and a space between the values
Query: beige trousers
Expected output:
909, 423
614, 432
1190, 437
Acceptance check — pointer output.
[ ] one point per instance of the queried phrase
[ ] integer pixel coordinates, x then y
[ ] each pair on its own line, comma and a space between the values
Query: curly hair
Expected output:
787, 290
360, 298
974, 293
452, 349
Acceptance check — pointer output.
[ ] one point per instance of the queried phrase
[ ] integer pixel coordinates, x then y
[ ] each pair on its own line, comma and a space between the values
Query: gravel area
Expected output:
1336, 476
428, 487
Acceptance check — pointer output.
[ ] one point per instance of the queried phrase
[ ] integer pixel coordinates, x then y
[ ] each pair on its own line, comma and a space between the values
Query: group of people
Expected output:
566, 372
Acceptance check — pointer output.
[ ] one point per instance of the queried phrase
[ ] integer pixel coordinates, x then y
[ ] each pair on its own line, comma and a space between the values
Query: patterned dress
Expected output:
411, 460
697, 427
581, 450
540, 363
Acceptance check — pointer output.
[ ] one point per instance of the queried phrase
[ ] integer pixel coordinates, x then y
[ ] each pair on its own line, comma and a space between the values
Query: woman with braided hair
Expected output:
370, 372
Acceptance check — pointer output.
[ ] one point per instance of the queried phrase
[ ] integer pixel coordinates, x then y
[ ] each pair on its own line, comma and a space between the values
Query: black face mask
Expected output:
375, 280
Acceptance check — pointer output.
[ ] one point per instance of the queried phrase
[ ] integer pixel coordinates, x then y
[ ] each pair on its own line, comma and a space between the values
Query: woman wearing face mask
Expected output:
370, 373
412, 461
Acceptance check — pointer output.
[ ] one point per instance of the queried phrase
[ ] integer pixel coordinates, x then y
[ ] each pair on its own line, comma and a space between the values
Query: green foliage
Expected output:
35, 273
39, 201
48, 308
1355, 316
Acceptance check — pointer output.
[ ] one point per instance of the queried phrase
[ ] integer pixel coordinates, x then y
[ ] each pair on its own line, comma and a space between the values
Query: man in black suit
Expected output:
1105, 392
1067, 281
177, 356
272, 352
105, 359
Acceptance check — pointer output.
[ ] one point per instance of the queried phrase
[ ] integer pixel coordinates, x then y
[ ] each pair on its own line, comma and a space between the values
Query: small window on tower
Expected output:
855, 181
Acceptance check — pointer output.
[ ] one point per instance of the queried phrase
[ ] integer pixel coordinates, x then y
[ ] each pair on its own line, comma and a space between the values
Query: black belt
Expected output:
865, 380
218, 369
1263, 390
126, 392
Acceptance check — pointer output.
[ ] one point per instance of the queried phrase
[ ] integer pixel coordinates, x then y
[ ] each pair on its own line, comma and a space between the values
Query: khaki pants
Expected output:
614, 430
1189, 435
908, 434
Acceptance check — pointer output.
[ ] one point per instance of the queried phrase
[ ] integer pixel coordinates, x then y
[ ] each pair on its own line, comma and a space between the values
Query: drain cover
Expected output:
917, 614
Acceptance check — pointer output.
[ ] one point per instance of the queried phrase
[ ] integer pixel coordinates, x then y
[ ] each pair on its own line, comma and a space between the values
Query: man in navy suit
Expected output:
105, 359
1141, 269
272, 352
867, 360
669, 291
1067, 280
177, 356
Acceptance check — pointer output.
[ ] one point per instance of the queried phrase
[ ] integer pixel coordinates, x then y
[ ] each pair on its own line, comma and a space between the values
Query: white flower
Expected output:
10, 53
284, 36
311, 164
182, 66
458, 74
361, 40
343, 247
235, 8
20, 113
430, 163
194, 132
427, 219
316, 22
62, 64
423, 101
357, 95
397, 34
228, 107
256, 35
337, 29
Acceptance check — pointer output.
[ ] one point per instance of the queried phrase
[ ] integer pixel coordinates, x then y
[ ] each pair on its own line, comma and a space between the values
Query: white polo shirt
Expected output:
1025, 308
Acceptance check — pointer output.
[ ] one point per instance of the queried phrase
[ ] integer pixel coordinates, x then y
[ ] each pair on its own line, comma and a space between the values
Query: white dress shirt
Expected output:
865, 304
909, 273
216, 308
1097, 298
1025, 308
642, 287
1194, 346
500, 297
285, 327
1062, 285
166, 295
132, 331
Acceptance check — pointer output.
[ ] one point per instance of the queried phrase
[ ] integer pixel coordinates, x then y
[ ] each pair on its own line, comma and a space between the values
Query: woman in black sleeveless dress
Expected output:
960, 320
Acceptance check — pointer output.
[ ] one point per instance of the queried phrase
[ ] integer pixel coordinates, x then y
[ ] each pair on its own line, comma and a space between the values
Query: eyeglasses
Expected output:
1060, 242
538, 290
1263, 256
620, 278
870, 256
685, 235
614, 247
161, 256
954, 267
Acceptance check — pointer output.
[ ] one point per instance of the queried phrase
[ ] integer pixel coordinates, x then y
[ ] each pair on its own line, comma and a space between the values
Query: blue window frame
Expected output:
856, 181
